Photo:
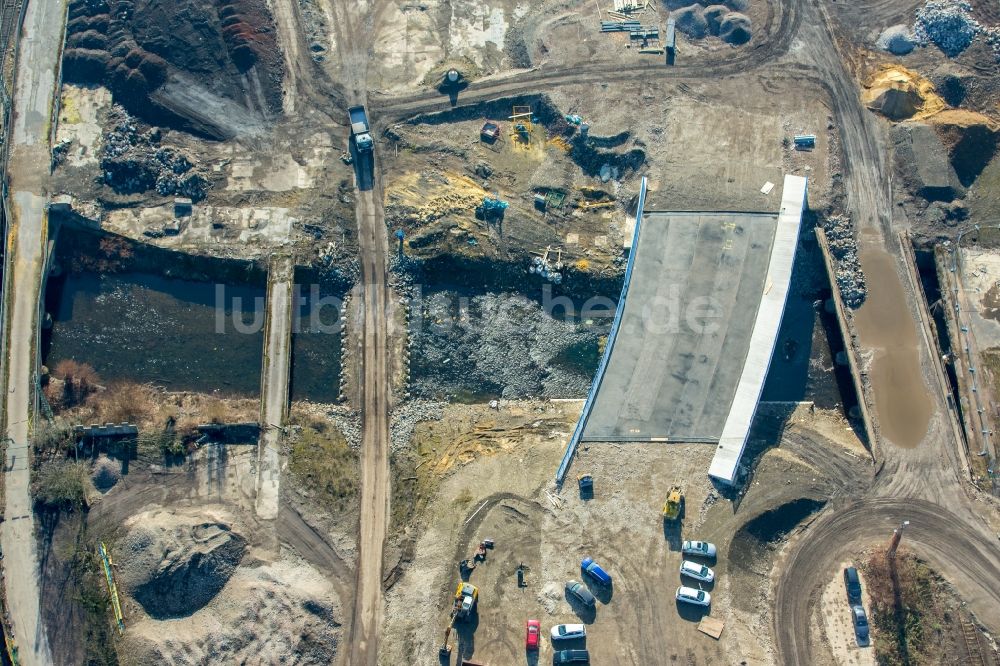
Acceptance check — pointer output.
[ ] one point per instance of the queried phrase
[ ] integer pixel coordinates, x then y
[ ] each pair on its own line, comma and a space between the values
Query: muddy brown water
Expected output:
884, 325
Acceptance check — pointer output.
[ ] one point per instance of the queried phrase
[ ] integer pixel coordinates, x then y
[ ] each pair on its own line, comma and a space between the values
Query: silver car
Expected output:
697, 571
566, 632
689, 595
700, 548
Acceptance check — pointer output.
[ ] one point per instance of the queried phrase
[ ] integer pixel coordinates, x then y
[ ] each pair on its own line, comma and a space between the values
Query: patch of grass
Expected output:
323, 463
61, 484
53, 437
913, 632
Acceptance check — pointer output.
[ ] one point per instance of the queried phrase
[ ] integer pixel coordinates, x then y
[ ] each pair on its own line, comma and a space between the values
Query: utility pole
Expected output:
897, 598
897, 534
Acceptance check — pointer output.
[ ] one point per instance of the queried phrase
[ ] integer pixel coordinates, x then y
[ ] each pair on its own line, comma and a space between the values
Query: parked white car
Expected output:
566, 632
697, 571
701, 548
689, 595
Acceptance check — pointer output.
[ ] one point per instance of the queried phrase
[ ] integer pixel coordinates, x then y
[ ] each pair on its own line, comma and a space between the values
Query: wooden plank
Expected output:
711, 626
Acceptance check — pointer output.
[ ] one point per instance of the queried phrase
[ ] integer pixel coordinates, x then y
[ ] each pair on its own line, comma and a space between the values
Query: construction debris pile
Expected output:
844, 248
950, 25
500, 345
134, 161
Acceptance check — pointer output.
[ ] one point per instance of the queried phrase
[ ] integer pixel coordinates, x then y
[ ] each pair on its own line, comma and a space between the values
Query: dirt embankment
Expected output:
136, 47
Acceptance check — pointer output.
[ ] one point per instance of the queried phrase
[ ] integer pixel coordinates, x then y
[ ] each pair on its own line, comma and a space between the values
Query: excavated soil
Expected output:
137, 47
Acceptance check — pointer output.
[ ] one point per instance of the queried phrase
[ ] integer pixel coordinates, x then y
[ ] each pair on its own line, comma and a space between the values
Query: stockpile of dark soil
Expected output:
951, 82
173, 565
701, 19
922, 161
133, 47
971, 141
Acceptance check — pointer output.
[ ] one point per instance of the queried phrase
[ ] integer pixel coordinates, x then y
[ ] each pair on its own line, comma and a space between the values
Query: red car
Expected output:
533, 630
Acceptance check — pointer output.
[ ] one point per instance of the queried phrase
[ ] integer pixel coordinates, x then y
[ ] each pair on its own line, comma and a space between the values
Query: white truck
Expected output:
360, 130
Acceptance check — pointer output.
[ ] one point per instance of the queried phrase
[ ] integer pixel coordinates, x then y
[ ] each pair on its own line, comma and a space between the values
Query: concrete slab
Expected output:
686, 326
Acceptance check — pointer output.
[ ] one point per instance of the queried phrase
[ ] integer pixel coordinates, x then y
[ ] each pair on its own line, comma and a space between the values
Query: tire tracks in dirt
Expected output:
545, 78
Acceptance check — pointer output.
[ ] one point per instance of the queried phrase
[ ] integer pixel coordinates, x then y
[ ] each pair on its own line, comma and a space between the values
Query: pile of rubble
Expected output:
405, 418
947, 23
844, 247
499, 345
133, 161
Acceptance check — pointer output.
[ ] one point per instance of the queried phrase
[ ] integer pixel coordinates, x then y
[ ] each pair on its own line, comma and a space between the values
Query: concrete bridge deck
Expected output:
274, 383
703, 302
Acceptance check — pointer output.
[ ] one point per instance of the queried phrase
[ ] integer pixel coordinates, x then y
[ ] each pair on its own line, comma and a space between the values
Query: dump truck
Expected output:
465, 599
675, 502
360, 130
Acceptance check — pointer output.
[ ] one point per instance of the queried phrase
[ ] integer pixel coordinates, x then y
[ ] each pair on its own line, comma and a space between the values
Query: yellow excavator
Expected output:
675, 502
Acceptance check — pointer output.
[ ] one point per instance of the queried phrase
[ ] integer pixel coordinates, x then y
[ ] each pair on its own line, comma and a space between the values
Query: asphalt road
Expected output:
28, 172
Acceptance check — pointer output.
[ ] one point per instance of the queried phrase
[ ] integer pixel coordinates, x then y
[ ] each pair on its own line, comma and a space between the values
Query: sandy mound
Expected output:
735, 28
971, 141
280, 613
173, 563
691, 21
899, 94
897, 39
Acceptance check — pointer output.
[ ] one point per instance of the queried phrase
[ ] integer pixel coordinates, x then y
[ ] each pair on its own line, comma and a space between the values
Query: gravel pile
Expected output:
897, 39
719, 20
406, 417
283, 612
735, 28
691, 21
948, 24
133, 161
498, 345
106, 473
175, 564
844, 247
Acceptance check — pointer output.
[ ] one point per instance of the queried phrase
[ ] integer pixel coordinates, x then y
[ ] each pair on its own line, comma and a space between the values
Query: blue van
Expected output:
594, 570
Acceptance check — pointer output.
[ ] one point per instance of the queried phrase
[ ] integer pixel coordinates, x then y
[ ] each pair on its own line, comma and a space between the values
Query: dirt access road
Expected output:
353, 23
28, 170
923, 484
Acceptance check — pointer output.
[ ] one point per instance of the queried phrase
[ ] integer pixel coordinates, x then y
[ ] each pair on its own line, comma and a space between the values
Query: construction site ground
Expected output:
708, 135
549, 531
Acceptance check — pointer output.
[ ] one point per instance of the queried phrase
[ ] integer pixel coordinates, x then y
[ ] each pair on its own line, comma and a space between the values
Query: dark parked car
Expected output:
860, 624
571, 657
853, 584
582, 594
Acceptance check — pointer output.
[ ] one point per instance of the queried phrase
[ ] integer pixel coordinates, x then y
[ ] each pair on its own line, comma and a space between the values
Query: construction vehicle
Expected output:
360, 130
466, 596
674, 504
490, 132
444, 652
